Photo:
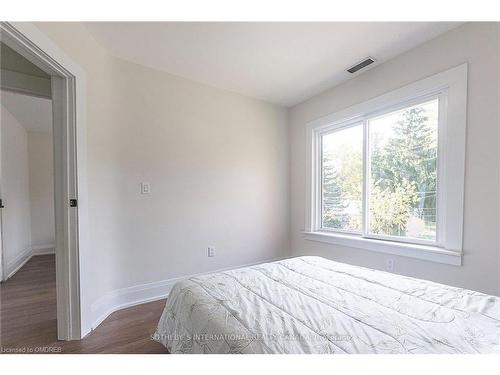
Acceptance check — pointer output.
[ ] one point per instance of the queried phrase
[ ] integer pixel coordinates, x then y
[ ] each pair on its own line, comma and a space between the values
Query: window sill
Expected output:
423, 252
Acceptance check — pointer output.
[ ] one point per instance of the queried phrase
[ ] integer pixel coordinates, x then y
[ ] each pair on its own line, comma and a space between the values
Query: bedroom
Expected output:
216, 153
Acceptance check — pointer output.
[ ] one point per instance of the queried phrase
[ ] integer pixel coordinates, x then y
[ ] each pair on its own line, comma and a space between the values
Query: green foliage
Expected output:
390, 209
342, 189
333, 205
409, 156
403, 180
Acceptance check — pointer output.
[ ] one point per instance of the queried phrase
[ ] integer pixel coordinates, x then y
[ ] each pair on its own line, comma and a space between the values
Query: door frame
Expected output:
70, 180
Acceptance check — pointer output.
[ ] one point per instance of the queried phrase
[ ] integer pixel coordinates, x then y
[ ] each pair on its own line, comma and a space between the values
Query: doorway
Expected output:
67, 90
28, 295
26, 161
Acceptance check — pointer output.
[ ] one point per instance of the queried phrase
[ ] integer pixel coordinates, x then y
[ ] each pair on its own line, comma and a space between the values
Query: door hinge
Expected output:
73, 202
1, 203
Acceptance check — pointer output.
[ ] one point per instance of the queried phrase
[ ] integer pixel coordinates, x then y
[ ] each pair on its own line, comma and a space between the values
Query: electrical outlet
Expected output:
211, 251
389, 265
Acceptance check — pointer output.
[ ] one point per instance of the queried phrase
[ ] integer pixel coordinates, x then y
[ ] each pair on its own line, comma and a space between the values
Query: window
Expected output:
388, 174
402, 169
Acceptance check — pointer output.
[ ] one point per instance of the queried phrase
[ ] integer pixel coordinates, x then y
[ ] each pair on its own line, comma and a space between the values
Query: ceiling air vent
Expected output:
361, 65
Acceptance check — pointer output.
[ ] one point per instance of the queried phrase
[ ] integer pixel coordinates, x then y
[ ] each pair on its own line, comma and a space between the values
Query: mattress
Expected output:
314, 305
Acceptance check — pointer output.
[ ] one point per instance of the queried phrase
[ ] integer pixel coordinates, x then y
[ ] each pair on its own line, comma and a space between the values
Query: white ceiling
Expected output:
33, 113
284, 63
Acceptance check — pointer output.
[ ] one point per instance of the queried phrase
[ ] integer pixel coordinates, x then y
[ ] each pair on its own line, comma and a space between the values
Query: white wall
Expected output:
41, 182
479, 45
16, 223
217, 163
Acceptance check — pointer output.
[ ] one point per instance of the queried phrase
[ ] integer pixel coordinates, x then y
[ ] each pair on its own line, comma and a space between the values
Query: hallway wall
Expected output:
41, 182
16, 217
27, 178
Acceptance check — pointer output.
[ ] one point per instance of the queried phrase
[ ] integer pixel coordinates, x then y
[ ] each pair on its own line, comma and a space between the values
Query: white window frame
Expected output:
450, 87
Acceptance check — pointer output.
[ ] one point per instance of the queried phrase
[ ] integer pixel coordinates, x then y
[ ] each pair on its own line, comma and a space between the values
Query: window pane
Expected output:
342, 175
403, 166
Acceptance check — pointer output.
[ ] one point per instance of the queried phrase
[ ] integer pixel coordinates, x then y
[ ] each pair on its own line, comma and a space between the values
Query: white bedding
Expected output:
313, 305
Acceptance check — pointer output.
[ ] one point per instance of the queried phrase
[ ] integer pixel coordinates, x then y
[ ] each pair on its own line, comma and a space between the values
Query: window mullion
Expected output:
366, 179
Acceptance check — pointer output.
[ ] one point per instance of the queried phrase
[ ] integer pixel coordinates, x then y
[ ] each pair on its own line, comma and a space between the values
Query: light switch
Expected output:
145, 188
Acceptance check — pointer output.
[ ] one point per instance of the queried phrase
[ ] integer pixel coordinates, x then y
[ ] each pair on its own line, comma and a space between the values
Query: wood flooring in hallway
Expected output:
28, 318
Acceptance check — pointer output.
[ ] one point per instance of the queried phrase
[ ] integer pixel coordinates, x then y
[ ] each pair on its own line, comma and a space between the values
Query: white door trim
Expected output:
69, 110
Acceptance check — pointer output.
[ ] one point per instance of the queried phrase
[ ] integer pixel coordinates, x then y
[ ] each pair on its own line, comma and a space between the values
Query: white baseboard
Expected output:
44, 249
139, 294
14, 265
127, 297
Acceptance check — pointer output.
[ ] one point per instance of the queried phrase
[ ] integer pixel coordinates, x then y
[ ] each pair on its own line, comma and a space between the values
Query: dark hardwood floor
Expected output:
28, 318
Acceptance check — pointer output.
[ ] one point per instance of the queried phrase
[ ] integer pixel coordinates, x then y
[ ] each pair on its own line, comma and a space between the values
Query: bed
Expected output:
314, 305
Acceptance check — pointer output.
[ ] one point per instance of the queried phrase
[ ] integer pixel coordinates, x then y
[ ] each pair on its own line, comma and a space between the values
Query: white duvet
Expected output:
313, 305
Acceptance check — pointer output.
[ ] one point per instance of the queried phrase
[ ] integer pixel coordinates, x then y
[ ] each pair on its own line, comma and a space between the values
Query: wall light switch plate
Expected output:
145, 188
